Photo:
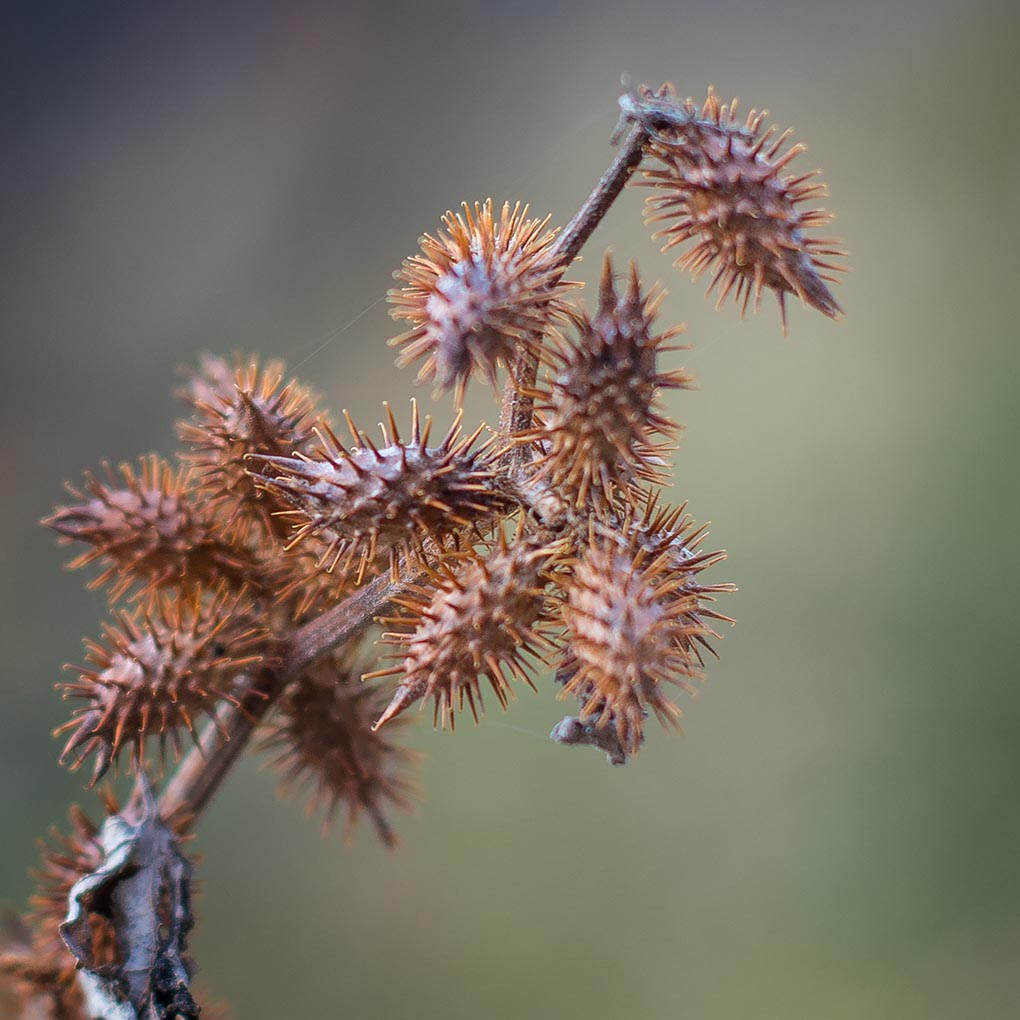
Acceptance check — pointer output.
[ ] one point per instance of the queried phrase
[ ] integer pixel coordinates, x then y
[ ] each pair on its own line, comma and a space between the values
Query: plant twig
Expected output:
219, 745
221, 742
517, 406
603, 195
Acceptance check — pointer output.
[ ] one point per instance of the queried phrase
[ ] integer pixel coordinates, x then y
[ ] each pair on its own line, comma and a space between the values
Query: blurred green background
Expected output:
836, 834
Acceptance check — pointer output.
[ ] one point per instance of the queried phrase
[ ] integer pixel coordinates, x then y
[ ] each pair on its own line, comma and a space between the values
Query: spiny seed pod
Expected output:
477, 293
370, 501
667, 539
601, 415
720, 183
324, 738
670, 533
477, 622
158, 669
245, 411
149, 532
34, 956
627, 626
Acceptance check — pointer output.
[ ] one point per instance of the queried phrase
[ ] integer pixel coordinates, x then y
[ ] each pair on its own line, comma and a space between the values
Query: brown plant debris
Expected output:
575, 731
477, 293
143, 885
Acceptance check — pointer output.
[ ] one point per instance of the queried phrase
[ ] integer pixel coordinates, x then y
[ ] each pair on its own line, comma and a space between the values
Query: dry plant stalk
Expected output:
242, 579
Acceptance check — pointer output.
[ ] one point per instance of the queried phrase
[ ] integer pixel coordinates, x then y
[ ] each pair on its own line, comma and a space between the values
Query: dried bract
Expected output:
156, 671
477, 293
720, 183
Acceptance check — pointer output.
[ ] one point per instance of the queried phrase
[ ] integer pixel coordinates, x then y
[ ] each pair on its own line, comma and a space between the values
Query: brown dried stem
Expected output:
219, 745
517, 407
199, 775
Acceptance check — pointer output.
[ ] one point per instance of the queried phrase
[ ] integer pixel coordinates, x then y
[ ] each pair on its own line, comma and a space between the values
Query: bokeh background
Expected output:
836, 834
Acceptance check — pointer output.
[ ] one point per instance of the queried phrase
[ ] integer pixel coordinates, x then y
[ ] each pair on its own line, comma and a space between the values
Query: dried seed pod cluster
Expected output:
557, 588
275, 512
255, 564
200, 553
